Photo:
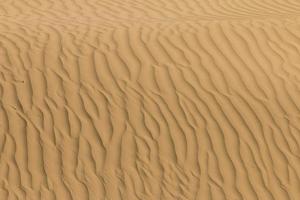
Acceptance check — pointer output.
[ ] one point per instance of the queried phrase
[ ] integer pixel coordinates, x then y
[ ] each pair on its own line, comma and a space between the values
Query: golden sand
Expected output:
149, 100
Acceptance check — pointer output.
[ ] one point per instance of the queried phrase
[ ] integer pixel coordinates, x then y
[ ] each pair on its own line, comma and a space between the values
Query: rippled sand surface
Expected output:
149, 100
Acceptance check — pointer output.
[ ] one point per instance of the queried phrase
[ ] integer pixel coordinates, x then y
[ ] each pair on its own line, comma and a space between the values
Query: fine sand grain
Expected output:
149, 100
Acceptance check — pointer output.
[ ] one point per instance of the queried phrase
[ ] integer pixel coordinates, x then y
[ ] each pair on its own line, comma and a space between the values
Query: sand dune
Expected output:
149, 99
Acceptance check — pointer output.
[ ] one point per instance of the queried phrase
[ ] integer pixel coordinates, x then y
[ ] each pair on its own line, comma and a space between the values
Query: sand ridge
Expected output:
148, 100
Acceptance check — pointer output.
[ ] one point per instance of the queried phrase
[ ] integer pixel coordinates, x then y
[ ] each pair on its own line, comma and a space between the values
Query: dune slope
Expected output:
149, 99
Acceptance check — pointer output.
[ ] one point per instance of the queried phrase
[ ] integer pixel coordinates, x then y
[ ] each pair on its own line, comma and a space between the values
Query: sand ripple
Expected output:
148, 100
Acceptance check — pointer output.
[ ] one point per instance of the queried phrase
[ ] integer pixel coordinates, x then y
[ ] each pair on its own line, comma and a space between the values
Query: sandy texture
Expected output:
149, 99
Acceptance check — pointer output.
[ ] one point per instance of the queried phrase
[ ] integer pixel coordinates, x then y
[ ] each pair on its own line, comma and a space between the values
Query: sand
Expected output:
149, 100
